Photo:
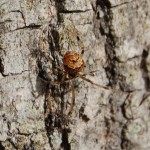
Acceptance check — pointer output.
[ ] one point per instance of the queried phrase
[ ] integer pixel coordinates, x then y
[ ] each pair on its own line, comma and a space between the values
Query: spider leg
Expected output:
51, 82
46, 78
60, 68
91, 73
88, 80
73, 98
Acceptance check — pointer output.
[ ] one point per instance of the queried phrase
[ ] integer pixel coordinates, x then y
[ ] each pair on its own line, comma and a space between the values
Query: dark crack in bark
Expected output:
55, 117
65, 143
144, 70
1, 146
1, 67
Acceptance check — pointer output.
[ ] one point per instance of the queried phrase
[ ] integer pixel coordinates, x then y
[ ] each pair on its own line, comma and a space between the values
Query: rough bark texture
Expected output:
35, 34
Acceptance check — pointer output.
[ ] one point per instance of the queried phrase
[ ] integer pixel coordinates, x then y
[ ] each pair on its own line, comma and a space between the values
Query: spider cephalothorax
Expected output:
73, 63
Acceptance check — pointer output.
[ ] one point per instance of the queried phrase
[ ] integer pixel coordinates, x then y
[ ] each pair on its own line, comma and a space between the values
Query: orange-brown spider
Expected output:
74, 64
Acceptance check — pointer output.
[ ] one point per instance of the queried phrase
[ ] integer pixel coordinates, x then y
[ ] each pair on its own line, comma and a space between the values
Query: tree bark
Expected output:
35, 34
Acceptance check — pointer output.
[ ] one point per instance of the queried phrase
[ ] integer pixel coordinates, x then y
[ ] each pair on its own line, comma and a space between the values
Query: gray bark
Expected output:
35, 34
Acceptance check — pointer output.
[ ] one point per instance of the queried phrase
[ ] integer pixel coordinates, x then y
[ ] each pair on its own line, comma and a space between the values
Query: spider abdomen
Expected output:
73, 62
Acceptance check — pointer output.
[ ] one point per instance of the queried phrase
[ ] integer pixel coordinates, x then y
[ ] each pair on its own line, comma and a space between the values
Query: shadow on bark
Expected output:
54, 105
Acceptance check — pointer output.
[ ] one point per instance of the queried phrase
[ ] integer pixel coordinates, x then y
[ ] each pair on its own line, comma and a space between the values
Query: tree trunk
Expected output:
115, 37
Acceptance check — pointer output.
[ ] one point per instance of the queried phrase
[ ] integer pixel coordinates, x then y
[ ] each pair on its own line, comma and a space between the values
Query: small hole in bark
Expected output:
82, 115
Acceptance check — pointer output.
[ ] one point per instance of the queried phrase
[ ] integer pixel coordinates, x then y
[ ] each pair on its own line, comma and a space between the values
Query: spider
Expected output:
73, 66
